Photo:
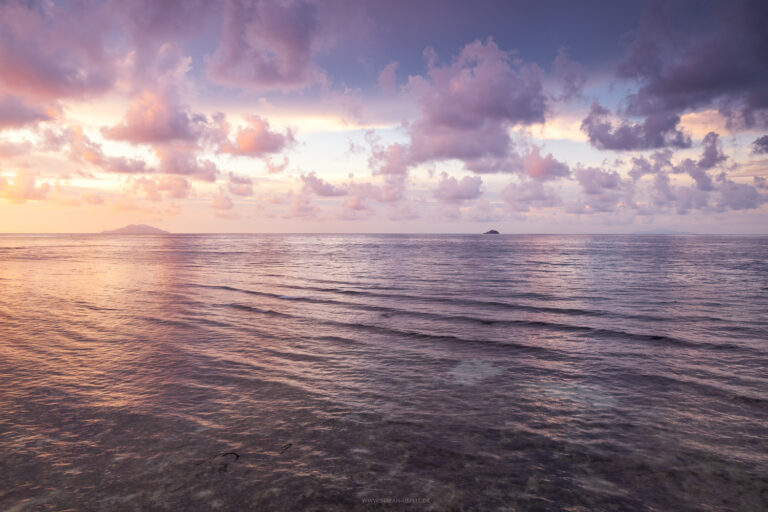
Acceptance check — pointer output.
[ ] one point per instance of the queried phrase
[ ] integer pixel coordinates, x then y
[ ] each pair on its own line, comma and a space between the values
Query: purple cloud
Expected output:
467, 108
571, 75
320, 187
451, 190
271, 45
760, 145
726, 67
185, 163
77, 65
15, 113
388, 78
529, 194
656, 131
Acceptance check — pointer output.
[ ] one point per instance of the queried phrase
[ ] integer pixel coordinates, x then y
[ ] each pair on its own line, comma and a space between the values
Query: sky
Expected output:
388, 116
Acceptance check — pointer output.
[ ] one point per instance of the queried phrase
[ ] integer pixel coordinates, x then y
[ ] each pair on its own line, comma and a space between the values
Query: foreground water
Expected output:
371, 372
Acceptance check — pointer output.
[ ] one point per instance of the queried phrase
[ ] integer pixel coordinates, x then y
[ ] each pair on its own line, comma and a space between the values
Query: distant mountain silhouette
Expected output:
135, 229
661, 232
491, 232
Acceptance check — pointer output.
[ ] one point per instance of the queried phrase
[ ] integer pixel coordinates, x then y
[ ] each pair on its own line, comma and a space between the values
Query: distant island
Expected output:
136, 229
661, 232
491, 232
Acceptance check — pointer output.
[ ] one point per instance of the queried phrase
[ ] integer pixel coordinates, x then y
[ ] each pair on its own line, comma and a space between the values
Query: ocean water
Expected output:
360, 372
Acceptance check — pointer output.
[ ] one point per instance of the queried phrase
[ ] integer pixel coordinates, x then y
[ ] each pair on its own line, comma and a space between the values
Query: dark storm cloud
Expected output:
726, 67
760, 145
656, 131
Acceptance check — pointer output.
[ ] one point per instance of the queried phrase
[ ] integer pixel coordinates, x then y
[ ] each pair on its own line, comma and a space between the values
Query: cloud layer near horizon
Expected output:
267, 111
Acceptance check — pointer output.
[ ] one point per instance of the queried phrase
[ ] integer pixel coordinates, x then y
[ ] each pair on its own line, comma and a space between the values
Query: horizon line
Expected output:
638, 233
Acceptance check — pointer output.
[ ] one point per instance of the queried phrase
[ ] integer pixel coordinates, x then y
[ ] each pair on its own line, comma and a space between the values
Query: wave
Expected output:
582, 331
462, 302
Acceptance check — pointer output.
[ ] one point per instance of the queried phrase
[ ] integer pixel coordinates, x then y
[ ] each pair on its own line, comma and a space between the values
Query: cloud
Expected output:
11, 149
15, 113
543, 168
274, 168
302, 206
522, 196
221, 202
388, 78
467, 108
149, 21
595, 181
659, 162
83, 149
570, 74
713, 153
186, 163
760, 145
92, 199
737, 196
45, 53
271, 45
656, 131
163, 187
156, 118
256, 139
604, 191
726, 66
360, 195
392, 159
23, 187
240, 185
711, 156
451, 190
320, 187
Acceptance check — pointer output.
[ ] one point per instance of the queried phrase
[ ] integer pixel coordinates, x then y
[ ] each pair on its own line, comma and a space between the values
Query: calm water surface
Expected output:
328, 372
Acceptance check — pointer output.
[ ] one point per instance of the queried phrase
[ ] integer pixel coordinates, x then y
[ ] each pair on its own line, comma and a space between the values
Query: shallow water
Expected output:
289, 372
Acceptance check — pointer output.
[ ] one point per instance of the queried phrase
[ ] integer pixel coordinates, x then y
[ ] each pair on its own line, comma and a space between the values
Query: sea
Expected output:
383, 372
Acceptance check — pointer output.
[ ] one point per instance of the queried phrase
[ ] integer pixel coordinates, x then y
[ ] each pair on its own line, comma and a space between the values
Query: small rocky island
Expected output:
491, 232
136, 229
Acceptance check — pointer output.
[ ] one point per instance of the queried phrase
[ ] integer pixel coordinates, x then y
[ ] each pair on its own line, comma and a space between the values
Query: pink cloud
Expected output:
221, 202
240, 185
274, 168
11, 149
92, 199
23, 187
257, 139
84, 149
155, 118
543, 168
302, 206
163, 187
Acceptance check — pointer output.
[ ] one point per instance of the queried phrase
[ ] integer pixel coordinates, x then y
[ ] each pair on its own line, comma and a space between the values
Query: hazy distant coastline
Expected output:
136, 229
